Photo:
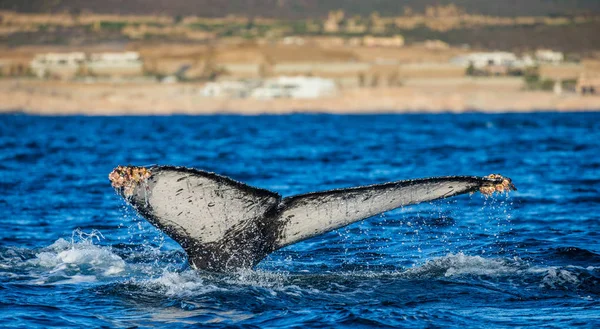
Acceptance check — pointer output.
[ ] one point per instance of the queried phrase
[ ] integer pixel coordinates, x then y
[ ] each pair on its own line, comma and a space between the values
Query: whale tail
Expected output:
224, 224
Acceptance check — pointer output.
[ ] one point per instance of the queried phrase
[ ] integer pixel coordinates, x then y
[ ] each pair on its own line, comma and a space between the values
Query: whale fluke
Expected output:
224, 224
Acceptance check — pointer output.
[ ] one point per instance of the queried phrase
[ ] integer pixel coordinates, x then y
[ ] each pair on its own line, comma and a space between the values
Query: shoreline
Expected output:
437, 96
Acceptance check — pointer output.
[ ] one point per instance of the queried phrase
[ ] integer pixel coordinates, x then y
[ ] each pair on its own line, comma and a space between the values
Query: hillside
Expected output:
302, 8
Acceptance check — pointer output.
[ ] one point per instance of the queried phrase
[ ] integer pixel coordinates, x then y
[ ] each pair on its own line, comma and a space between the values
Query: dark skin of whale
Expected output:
223, 224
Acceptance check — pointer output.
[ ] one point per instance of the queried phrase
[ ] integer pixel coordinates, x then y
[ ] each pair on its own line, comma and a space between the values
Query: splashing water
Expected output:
72, 255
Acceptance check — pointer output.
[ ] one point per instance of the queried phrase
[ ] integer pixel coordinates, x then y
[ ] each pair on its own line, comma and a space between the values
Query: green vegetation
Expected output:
249, 30
569, 85
115, 26
570, 34
299, 27
205, 27
574, 38
155, 24
470, 70
533, 81
291, 9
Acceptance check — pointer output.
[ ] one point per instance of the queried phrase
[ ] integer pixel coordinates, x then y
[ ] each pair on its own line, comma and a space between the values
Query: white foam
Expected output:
193, 283
99, 258
461, 264
75, 262
558, 278
80, 260
74, 279
257, 278
186, 283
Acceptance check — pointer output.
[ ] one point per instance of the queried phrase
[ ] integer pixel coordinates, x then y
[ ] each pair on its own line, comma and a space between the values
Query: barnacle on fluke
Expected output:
127, 177
499, 184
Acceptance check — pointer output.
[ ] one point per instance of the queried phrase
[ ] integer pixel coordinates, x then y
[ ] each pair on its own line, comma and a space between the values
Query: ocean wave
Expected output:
576, 254
194, 283
84, 260
80, 257
65, 262
461, 264
515, 270
180, 284
457, 266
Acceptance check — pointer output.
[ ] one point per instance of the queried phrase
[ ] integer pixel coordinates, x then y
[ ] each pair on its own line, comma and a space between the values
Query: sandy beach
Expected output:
442, 95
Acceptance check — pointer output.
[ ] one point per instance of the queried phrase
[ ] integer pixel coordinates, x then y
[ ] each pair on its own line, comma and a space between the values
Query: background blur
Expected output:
184, 56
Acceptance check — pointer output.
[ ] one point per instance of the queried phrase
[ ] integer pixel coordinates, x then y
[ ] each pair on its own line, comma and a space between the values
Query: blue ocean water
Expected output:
73, 254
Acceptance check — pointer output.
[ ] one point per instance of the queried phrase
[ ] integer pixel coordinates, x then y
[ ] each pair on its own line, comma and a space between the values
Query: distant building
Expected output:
119, 64
493, 64
481, 60
496, 70
57, 65
295, 87
549, 56
226, 89
69, 65
254, 62
527, 61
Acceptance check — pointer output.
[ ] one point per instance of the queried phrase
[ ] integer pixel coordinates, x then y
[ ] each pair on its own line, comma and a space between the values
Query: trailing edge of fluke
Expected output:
223, 224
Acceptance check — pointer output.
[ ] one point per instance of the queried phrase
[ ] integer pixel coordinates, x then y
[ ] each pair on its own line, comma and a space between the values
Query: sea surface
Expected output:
73, 254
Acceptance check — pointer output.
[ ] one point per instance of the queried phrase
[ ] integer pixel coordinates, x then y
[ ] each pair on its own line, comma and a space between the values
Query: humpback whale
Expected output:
223, 224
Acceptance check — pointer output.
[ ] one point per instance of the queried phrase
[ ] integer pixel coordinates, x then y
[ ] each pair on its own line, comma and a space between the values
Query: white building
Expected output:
68, 65
481, 60
295, 87
226, 89
62, 65
549, 56
74, 58
126, 63
527, 61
